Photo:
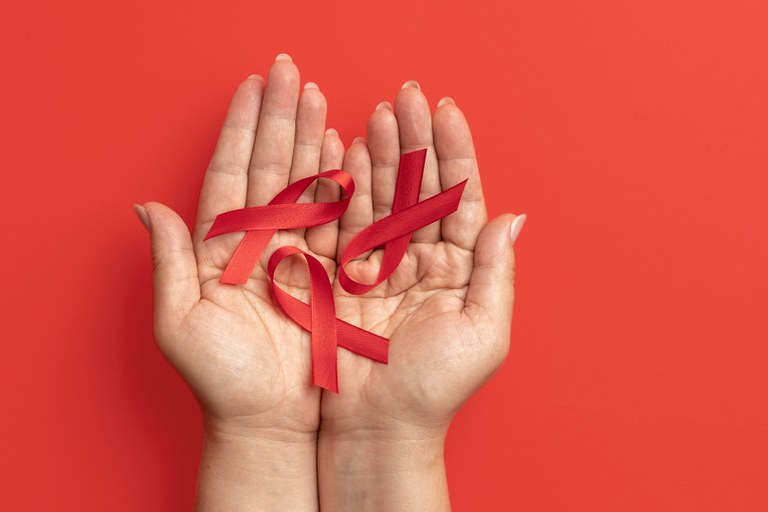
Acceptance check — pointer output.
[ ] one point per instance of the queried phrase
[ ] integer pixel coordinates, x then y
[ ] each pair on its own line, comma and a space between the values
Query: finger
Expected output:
415, 126
456, 157
322, 240
310, 127
226, 180
359, 214
384, 146
310, 131
273, 147
491, 293
176, 285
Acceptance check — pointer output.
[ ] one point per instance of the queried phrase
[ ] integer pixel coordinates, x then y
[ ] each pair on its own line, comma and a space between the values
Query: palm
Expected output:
421, 312
255, 355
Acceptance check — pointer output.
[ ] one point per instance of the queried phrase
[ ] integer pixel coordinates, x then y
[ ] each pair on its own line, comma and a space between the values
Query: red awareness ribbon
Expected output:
393, 232
262, 222
408, 215
315, 319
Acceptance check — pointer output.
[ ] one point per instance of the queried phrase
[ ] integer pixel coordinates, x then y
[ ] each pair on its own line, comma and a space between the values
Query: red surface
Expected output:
633, 134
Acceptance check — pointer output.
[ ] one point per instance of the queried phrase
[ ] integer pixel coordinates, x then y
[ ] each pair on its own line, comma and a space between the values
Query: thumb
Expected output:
176, 285
491, 288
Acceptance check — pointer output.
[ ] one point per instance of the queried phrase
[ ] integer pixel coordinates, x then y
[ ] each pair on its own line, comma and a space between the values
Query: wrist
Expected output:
253, 467
382, 468
263, 455
364, 455
256, 429
392, 432
372, 424
368, 443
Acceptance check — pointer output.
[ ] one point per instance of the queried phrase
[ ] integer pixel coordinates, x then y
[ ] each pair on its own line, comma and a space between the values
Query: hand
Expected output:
248, 364
447, 311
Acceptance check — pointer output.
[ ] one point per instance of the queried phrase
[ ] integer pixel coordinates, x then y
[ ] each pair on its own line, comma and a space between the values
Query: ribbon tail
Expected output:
246, 257
317, 318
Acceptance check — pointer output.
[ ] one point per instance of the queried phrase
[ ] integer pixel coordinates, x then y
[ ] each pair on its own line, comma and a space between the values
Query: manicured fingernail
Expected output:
358, 139
282, 56
384, 104
252, 77
141, 212
446, 101
411, 83
311, 85
517, 225
331, 131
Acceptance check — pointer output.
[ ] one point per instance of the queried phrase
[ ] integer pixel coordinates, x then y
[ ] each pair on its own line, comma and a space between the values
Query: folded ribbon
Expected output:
262, 222
394, 231
319, 317
316, 318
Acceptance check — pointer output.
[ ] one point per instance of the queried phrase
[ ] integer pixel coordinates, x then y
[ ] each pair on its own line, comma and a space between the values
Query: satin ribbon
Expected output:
262, 222
392, 232
317, 319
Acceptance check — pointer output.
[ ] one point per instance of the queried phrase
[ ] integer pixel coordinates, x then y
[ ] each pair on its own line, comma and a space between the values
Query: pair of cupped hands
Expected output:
446, 309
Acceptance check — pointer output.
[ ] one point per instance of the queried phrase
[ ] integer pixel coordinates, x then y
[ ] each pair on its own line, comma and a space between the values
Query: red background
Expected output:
633, 134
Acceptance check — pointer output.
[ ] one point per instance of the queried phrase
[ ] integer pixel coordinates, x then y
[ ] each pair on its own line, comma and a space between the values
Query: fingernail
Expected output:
517, 225
331, 131
358, 139
446, 101
411, 83
311, 85
252, 77
142, 214
384, 104
282, 56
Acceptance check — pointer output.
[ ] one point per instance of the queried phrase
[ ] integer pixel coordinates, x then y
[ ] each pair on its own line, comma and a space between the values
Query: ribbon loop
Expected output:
322, 309
319, 318
262, 222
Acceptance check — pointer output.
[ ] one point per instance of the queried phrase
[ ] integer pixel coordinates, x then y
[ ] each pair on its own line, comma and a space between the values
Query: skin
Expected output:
273, 441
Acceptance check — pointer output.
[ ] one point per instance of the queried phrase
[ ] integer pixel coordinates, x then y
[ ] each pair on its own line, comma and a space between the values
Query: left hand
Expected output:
447, 309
